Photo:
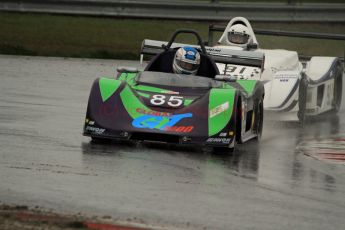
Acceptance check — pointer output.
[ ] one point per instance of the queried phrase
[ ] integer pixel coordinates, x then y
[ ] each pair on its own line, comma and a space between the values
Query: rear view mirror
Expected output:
227, 78
127, 69
253, 46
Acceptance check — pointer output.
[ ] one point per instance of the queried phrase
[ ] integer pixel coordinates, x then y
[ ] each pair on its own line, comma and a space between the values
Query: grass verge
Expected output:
90, 37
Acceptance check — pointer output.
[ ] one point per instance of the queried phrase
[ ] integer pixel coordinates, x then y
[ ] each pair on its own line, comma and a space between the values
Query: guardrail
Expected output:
183, 10
220, 28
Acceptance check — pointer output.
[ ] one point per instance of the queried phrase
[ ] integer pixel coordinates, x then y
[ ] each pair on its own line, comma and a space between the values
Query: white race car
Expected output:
304, 89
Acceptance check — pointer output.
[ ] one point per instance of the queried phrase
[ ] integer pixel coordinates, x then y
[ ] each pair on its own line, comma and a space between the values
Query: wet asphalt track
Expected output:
45, 161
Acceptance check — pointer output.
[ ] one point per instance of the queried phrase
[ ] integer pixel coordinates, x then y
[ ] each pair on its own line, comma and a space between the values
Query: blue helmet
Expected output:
186, 61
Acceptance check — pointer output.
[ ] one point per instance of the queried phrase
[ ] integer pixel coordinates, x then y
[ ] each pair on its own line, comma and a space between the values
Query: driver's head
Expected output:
186, 61
238, 34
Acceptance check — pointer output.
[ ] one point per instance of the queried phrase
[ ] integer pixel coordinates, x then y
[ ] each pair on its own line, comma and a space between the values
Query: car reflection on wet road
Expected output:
283, 182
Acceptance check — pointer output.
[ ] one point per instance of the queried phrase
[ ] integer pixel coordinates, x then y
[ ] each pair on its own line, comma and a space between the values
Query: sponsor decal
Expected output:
285, 76
153, 113
94, 130
87, 121
218, 140
169, 92
219, 109
222, 134
213, 49
190, 54
159, 122
180, 129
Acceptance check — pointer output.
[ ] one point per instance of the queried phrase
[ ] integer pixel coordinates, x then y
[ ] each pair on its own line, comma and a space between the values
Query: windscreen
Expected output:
176, 80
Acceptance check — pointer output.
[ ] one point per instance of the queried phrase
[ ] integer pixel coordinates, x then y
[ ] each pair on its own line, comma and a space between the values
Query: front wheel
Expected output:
338, 87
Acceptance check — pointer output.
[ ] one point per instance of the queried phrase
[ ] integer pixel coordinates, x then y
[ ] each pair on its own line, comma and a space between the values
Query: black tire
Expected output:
302, 100
338, 87
239, 122
259, 118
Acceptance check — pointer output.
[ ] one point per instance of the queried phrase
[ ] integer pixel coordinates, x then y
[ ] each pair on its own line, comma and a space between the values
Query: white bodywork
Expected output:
282, 74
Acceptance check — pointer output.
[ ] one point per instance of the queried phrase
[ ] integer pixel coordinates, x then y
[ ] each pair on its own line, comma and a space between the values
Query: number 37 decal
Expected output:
171, 101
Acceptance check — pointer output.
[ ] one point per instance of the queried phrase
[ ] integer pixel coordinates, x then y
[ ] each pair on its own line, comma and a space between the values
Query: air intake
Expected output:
155, 137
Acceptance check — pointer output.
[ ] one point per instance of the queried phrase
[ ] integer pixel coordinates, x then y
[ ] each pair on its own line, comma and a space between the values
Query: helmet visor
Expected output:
187, 66
238, 38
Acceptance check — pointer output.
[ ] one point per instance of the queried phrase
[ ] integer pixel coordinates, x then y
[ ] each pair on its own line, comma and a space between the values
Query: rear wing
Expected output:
219, 55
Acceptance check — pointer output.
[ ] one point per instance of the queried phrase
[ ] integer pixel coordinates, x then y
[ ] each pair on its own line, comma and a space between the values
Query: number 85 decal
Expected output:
172, 101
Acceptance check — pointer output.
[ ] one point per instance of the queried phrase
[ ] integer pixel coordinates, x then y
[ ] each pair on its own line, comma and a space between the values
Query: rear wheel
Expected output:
302, 100
338, 87
259, 120
239, 122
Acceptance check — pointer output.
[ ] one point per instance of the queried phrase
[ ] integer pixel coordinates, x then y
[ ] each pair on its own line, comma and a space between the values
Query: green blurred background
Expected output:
95, 37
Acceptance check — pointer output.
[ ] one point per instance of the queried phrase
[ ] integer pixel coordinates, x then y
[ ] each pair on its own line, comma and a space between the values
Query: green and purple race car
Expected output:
159, 105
